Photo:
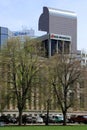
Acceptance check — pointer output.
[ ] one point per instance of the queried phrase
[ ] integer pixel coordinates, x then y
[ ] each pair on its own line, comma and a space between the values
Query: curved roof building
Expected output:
59, 22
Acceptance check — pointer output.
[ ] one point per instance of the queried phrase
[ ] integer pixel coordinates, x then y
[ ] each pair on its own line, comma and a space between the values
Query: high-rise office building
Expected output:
61, 28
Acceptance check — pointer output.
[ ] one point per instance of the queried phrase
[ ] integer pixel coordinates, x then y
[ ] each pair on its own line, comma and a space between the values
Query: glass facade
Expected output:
3, 35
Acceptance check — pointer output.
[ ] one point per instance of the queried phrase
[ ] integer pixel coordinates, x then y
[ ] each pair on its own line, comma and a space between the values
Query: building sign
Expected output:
20, 33
60, 37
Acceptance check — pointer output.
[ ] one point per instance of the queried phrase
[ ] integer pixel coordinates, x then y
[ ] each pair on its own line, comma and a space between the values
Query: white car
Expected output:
39, 120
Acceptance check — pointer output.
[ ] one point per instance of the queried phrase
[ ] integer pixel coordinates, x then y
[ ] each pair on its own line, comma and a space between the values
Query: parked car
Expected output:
54, 119
4, 119
2, 124
39, 120
72, 119
58, 118
29, 119
50, 119
33, 119
13, 120
78, 119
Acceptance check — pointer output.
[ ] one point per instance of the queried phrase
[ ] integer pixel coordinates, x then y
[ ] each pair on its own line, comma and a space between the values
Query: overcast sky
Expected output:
16, 14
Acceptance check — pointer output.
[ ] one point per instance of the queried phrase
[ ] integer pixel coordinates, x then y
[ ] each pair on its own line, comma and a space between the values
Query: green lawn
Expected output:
82, 127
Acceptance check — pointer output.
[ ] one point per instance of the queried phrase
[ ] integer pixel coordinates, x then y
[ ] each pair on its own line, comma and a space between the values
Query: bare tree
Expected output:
64, 72
22, 65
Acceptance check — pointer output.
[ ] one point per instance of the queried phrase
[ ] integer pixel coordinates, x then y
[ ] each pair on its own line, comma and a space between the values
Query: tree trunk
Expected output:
47, 118
20, 118
64, 118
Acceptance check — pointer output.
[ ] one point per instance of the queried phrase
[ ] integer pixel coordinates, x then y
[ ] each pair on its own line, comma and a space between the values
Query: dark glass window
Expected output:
60, 46
53, 46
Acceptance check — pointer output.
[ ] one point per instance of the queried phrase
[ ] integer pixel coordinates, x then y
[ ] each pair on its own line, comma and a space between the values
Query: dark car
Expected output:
12, 120
50, 119
78, 119
28, 119
4, 119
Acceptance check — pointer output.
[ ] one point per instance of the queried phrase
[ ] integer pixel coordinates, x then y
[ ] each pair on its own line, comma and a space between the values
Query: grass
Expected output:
79, 127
